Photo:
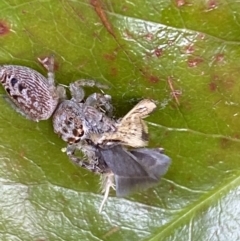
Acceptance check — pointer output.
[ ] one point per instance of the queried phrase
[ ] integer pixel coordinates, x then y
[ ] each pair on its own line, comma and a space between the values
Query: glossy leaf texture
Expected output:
183, 54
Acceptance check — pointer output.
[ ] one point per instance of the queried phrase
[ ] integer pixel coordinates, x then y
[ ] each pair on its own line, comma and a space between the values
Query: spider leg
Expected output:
77, 91
101, 102
48, 64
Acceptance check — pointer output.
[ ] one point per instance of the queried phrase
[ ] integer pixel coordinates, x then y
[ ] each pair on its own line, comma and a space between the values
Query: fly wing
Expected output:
153, 161
121, 162
131, 130
130, 173
141, 109
133, 133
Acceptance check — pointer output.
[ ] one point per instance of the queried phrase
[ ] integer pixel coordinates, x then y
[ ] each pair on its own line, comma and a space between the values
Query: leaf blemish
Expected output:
4, 29
224, 143
211, 5
189, 49
158, 52
194, 62
110, 57
180, 3
114, 71
219, 58
212, 86
153, 79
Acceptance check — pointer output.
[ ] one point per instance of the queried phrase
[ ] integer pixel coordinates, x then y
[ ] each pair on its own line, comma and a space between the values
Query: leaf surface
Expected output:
183, 54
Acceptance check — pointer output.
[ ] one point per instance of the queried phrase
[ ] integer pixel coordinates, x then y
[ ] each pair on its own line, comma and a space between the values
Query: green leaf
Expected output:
185, 55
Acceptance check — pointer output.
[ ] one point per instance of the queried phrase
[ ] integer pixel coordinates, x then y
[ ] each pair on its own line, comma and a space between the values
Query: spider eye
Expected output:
14, 81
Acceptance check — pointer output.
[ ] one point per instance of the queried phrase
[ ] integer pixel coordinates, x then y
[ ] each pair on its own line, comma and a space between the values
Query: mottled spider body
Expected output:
32, 94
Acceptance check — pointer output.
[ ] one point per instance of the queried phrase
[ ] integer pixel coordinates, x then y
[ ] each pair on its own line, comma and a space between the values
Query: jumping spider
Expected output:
86, 125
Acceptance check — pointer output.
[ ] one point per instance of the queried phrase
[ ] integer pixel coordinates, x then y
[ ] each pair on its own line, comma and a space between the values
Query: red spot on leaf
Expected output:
149, 36
194, 62
212, 86
180, 3
153, 79
158, 52
201, 36
224, 143
219, 58
109, 57
149, 76
211, 4
114, 71
4, 29
189, 49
